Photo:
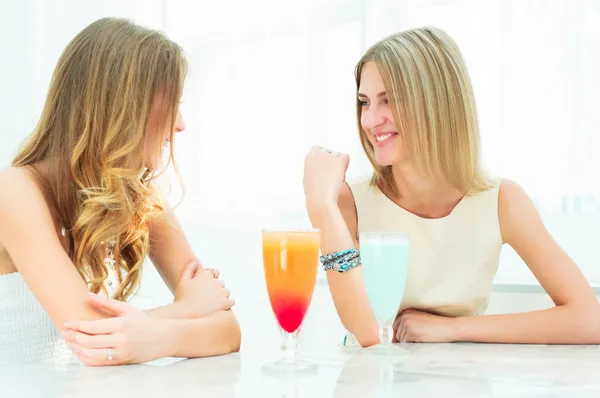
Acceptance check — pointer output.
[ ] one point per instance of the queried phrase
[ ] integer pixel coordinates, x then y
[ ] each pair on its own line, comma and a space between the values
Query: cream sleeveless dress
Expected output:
453, 260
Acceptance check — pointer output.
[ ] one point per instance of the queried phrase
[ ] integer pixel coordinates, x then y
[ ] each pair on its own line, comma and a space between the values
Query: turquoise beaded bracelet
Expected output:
341, 261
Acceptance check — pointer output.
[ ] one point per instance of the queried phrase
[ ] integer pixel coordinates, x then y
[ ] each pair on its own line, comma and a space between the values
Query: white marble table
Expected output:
440, 370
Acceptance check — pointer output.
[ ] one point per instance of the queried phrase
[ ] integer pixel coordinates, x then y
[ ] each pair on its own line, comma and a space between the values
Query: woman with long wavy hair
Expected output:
80, 211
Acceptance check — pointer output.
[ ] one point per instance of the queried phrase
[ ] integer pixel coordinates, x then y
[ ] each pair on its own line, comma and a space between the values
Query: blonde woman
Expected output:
418, 126
79, 213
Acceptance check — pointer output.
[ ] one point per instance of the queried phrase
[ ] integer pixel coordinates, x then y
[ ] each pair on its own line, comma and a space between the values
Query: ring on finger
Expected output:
109, 356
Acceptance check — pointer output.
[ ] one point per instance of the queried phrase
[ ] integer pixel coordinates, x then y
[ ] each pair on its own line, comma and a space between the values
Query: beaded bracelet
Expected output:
341, 261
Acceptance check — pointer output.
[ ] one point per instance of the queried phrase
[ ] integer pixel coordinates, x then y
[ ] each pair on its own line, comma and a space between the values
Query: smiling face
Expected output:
376, 118
416, 108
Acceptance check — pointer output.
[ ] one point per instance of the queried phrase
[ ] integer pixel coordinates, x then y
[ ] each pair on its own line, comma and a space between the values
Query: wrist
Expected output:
458, 328
180, 310
175, 310
320, 210
165, 340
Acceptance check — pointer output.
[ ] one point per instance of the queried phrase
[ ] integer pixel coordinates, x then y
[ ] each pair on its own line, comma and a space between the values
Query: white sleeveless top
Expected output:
27, 334
453, 260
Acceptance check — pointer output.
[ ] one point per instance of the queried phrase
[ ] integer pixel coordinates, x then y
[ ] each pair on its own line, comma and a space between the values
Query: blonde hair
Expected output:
433, 106
92, 132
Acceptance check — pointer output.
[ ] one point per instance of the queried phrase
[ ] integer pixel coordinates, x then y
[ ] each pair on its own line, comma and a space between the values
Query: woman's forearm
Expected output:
173, 311
215, 334
559, 325
347, 288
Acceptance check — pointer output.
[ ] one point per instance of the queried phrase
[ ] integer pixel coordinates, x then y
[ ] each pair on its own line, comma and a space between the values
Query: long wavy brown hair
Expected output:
92, 133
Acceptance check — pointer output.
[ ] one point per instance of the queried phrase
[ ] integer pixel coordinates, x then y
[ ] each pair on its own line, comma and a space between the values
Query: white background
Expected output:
268, 79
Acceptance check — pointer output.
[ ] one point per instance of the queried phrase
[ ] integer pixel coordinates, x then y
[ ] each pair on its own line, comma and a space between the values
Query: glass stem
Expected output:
289, 346
386, 333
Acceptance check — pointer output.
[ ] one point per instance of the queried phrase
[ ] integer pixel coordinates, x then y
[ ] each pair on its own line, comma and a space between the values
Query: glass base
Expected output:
290, 366
386, 349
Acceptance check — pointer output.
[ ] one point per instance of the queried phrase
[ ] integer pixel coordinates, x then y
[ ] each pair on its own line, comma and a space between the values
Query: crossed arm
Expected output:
27, 231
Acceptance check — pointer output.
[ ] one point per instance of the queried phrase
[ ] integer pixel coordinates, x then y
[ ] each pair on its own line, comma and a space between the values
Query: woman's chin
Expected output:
153, 164
385, 160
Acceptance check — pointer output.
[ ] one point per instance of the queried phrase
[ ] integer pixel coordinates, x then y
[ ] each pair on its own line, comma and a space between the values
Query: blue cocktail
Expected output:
385, 261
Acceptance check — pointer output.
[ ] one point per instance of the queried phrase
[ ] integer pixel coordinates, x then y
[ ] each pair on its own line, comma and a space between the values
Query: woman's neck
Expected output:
43, 169
422, 195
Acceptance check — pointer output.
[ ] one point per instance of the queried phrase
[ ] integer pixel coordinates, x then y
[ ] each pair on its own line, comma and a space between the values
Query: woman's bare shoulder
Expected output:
19, 193
16, 183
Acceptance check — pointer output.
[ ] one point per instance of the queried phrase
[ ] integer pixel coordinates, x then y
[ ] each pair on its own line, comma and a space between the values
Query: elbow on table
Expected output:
232, 333
368, 337
586, 323
368, 342
236, 340
224, 334
593, 330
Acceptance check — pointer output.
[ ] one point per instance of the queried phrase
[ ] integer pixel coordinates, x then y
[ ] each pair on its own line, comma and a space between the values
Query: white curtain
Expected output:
534, 67
270, 78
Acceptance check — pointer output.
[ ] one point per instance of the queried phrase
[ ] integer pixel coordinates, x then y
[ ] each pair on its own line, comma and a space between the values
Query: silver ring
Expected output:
109, 356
